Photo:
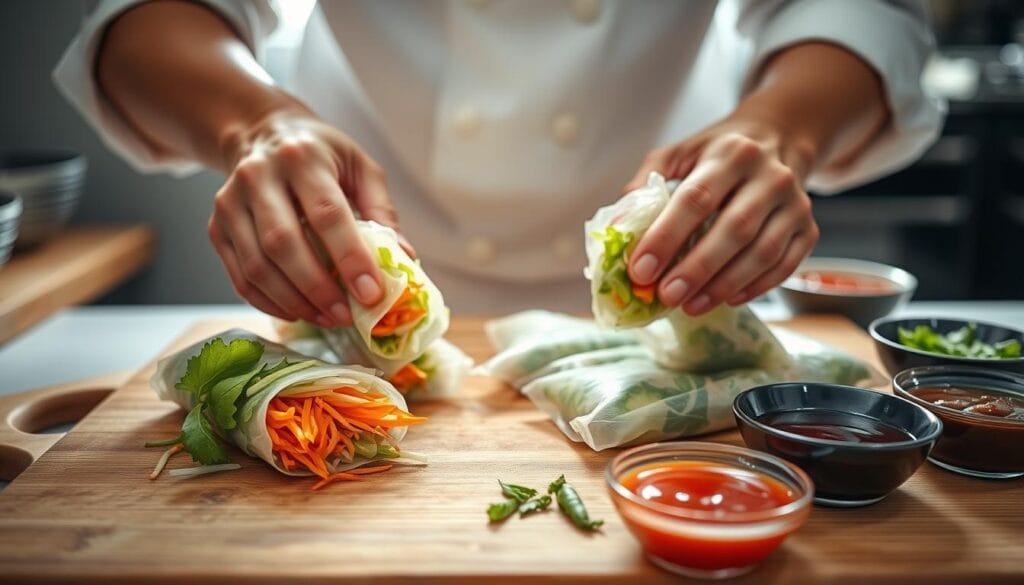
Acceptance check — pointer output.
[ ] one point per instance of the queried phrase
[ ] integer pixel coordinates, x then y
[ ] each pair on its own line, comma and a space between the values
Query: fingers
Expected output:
738, 224
696, 199
245, 289
757, 259
331, 219
370, 197
799, 248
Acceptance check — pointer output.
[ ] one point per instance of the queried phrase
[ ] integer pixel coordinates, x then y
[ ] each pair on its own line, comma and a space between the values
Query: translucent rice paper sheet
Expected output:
530, 340
445, 364
251, 433
358, 339
606, 390
628, 219
724, 338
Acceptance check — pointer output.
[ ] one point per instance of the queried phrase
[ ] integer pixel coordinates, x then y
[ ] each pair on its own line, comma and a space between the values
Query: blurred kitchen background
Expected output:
955, 219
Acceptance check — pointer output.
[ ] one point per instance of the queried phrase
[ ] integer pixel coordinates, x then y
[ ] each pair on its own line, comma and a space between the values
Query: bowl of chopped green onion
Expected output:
908, 342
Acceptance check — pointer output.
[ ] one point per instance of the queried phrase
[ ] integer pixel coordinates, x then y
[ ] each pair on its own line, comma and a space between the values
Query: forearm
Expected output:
824, 103
183, 79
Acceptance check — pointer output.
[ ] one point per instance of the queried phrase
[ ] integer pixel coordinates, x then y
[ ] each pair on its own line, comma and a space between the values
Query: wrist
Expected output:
237, 135
796, 145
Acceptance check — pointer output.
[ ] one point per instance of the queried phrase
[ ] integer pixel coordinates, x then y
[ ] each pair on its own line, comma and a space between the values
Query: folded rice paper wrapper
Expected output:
610, 237
444, 364
251, 433
389, 353
530, 340
724, 338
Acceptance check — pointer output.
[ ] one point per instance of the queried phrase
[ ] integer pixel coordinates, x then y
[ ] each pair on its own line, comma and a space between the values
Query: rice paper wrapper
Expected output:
724, 338
620, 227
358, 339
251, 433
445, 364
531, 340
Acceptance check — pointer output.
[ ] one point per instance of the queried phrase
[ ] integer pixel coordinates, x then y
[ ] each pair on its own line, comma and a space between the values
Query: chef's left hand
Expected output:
744, 171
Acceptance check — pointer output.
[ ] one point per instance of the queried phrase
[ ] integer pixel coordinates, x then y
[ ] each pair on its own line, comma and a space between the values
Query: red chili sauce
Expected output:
711, 487
834, 281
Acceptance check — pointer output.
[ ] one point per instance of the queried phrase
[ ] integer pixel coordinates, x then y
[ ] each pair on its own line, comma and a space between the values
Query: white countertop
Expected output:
89, 341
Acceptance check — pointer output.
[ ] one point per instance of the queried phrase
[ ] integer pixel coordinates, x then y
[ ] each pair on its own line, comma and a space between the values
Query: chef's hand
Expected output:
746, 173
194, 91
737, 173
290, 170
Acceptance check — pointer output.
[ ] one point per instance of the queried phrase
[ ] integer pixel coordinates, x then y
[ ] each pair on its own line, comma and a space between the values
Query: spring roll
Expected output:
611, 236
437, 373
302, 416
409, 317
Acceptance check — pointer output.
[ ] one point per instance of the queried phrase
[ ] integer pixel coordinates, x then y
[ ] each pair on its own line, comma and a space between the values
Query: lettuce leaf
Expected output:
615, 280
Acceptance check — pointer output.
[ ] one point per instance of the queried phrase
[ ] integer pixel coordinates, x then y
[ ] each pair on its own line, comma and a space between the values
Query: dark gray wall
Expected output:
33, 35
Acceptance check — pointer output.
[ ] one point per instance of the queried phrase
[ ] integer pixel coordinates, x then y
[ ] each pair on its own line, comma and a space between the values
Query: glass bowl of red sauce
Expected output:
860, 290
707, 510
982, 413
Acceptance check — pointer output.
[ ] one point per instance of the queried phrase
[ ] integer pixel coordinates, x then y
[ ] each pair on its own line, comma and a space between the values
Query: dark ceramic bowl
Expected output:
799, 296
897, 357
845, 473
972, 444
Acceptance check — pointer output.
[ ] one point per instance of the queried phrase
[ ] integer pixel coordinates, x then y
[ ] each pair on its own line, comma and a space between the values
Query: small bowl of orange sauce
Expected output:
860, 290
707, 510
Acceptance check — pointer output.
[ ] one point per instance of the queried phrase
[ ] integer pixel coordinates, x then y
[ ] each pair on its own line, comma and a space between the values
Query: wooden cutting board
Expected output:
85, 512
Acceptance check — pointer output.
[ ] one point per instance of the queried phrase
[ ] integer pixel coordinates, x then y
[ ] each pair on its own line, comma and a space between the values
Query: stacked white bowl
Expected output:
10, 215
49, 183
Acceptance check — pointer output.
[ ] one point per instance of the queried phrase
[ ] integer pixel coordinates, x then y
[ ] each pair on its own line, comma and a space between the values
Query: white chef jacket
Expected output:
503, 124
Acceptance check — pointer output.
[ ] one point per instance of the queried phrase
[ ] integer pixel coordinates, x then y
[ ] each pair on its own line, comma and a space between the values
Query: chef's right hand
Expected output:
287, 170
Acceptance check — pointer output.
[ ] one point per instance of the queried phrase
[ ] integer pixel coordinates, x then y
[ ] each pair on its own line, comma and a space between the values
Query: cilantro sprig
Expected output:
218, 378
962, 342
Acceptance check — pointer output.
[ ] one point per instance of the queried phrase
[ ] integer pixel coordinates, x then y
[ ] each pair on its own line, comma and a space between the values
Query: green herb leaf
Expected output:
534, 505
199, 439
501, 510
962, 342
217, 361
223, 398
516, 492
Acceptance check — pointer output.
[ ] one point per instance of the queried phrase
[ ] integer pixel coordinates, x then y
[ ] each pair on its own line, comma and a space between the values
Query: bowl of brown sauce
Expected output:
857, 289
857, 445
982, 412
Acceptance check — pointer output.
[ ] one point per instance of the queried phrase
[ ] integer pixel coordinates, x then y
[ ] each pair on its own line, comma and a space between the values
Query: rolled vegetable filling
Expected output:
409, 378
391, 331
321, 428
636, 302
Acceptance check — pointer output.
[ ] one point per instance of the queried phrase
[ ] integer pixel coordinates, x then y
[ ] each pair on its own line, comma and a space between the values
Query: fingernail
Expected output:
698, 304
645, 268
367, 289
674, 292
340, 313
324, 321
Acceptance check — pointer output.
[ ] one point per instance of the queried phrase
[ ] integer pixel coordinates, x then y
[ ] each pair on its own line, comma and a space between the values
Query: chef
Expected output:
495, 128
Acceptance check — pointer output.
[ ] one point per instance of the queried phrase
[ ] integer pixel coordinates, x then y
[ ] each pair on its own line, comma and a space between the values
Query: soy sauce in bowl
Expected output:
834, 425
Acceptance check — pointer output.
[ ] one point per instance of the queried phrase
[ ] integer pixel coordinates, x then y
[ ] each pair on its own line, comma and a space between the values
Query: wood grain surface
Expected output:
86, 512
77, 266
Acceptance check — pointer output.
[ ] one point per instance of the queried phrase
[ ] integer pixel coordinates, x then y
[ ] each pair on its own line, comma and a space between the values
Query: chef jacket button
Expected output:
565, 129
565, 246
585, 11
467, 121
481, 249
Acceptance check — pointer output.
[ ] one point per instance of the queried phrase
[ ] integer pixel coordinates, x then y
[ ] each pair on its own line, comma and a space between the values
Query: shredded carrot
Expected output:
644, 292
408, 378
164, 458
618, 300
318, 431
404, 310
350, 475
